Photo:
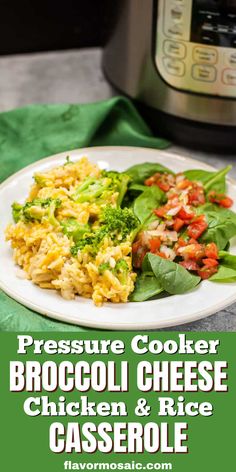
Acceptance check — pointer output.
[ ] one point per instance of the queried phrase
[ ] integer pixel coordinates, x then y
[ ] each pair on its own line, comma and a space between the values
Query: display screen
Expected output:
214, 22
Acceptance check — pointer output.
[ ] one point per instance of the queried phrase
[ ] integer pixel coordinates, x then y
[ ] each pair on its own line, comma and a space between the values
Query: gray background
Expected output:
76, 76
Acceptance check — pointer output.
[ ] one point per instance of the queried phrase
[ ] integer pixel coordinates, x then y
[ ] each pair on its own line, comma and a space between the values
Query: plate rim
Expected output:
169, 322
112, 326
109, 148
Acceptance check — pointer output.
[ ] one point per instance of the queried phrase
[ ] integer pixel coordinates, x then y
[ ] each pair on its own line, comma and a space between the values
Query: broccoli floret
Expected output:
92, 189
40, 180
116, 223
119, 222
120, 182
101, 189
51, 211
87, 242
37, 209
16, 211
121, 266
103, 267
72, 228
121, 270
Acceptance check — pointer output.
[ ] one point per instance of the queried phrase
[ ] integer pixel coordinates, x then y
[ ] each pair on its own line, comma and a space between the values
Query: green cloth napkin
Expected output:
36, 131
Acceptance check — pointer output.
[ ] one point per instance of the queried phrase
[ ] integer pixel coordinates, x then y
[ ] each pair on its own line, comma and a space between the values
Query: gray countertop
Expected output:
76, 77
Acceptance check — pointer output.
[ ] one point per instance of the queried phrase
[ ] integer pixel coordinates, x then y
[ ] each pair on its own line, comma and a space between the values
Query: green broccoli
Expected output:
92, 189
40, 180
56, 203
16, 211
87, 242
120, 183
121, 266
72, 228
37, 209
116, 223
101, 189
103, 267
121, 270
119, 222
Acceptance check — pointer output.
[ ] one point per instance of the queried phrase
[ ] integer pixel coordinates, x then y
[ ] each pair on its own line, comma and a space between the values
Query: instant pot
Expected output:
177, 58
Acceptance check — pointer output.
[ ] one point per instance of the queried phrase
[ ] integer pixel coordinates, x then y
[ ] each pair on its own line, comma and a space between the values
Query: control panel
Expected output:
196, 45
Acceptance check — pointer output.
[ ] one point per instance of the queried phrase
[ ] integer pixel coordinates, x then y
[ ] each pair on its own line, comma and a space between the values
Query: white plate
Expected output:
206, 299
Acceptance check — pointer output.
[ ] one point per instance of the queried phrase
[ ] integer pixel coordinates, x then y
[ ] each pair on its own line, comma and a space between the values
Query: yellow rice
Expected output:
43, 250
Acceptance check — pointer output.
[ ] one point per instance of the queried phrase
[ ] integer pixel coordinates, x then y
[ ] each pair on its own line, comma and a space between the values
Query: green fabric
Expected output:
36, 131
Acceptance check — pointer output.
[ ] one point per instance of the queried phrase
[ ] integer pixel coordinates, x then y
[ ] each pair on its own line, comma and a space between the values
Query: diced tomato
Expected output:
213, 197
206, 272
161, 180
139, 252
178, 224
197, 227
185, 215
161, 254
208, 262
194, 252
184, 184
211, 251
172, 195
182, 242
226, 202
155, 244
138, 257
220, 198
189, 265
160, 212
196, 197
136, 246
149, 182
164, 186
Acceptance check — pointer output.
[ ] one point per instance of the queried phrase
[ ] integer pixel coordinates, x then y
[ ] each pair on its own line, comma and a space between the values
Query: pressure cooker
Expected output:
177, 59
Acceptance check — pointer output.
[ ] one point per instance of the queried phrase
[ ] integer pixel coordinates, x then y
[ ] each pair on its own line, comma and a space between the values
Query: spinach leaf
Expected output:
146, 286
217, 182
134, 190
227, 268
224, 275
145, 203
211, 180
137, 187
228, 259
221, 224
199, 175
140, 172
174, 278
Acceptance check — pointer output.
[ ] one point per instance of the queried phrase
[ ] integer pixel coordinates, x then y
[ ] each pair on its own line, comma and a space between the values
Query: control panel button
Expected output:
230, 59
204, 73
174, 66
205, 55
229, 77
176, 12
174, 49
176, 29
175, 18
